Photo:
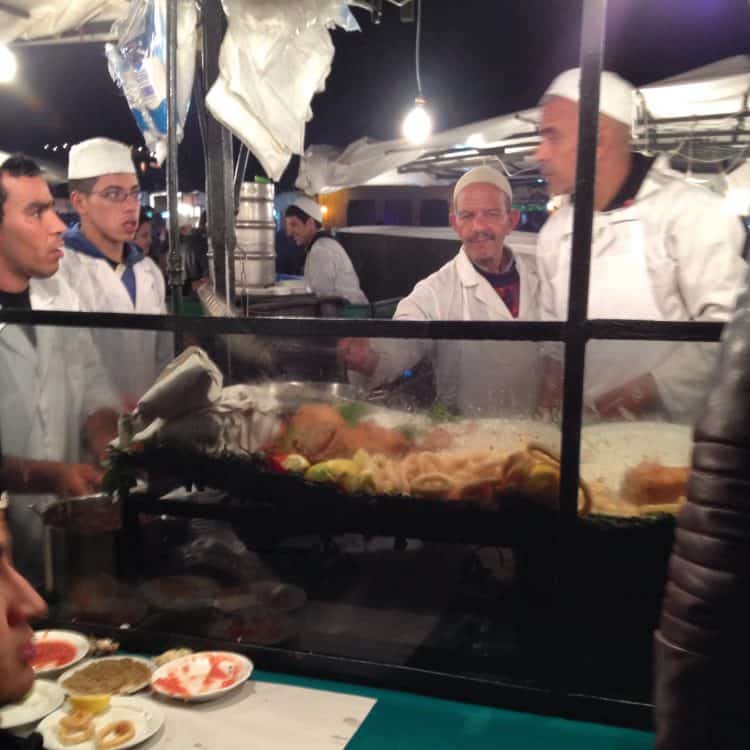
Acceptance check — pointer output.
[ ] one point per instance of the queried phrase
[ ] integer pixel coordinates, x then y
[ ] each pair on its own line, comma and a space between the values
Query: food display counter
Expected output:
476, 554
327, 531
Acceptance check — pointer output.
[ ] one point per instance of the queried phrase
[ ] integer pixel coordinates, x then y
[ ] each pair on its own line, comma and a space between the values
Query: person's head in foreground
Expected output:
20, 604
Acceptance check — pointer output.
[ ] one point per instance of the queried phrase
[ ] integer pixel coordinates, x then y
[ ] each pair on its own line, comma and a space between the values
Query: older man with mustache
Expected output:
486, 281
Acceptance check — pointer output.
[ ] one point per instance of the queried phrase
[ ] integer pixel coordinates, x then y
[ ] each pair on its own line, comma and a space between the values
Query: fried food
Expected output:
653, 484
171, 655
77, 720
76, 727
108, 676
320, 433
75, 736
115, 734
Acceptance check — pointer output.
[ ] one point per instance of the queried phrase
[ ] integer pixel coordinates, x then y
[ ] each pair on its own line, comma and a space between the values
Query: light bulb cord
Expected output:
417, 47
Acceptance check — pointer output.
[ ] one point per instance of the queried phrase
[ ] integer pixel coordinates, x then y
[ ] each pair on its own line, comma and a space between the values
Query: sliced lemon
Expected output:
96, 704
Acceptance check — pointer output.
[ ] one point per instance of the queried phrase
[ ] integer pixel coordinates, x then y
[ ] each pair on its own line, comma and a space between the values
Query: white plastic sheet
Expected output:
274, 58
51, 17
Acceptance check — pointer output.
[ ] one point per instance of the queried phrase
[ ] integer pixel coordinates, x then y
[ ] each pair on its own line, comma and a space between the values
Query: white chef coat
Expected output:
672, 254
329, 272
474, 377
47, 391
133, 359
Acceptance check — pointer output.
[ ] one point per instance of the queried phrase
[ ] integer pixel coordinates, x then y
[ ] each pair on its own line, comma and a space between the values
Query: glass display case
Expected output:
432, 526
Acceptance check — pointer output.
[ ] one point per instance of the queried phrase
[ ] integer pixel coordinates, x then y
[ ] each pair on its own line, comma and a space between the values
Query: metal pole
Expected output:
174, 261
219, 162
592, 49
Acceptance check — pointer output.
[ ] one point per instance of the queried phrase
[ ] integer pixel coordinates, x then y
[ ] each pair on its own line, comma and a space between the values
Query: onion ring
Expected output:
75, 736
77, 721
115, 734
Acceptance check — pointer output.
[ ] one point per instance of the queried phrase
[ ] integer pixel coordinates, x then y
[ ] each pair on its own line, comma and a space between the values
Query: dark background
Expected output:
480, 58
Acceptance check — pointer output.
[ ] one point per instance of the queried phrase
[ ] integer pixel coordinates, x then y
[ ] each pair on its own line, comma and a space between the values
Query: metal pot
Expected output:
255, 232
82, 537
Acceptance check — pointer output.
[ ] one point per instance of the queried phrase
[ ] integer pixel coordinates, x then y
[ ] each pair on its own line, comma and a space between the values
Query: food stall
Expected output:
331, 533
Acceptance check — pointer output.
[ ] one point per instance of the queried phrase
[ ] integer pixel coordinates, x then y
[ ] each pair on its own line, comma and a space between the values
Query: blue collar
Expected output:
75, 240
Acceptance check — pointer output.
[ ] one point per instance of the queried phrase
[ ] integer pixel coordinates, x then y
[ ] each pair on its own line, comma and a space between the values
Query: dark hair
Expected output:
17, 165
82, 186
298, 213
146, 215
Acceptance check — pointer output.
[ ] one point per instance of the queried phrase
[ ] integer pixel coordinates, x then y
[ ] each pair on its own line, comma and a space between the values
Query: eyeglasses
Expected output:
118, 195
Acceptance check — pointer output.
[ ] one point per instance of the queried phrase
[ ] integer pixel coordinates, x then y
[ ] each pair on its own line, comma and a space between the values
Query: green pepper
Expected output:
353, 412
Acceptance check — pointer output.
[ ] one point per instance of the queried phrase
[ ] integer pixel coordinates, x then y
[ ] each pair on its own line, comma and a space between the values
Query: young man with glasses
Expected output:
106, 267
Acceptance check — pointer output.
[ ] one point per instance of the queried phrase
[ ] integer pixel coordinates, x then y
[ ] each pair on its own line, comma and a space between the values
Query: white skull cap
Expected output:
98, 156
309, 206
616, 95
487, 175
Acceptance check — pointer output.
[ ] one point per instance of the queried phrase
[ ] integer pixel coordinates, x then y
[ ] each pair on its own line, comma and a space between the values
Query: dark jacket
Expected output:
702, 651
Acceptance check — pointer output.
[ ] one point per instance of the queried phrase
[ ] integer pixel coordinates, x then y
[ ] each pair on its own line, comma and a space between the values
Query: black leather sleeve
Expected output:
702, 651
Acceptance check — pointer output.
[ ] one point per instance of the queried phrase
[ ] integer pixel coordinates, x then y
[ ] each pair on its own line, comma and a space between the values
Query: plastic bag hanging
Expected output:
138, 64
274, 58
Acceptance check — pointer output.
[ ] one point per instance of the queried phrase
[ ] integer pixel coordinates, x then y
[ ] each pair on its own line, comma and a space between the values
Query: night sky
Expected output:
480, 58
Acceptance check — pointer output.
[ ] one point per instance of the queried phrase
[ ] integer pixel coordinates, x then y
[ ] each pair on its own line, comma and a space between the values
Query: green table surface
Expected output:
401, 721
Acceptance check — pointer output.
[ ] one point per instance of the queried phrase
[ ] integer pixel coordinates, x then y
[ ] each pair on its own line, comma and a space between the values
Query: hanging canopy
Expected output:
22, 20
705, 104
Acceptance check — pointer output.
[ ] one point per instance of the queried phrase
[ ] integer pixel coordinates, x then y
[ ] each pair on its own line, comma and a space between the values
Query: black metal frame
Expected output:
575, 332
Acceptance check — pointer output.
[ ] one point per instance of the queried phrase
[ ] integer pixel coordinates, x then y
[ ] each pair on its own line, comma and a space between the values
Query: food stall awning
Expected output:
22, 20
710, 102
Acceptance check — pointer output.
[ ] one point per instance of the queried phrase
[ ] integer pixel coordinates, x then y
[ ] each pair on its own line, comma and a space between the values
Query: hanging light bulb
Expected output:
8, 65
417, 125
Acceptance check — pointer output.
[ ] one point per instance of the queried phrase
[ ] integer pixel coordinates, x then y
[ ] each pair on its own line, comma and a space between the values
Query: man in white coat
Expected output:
107, 269
328, 270
486, 281
55, 398
662, 249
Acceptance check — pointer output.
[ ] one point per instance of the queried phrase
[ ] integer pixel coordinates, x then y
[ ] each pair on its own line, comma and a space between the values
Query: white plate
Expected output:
44, 698
192, 672
146, 716
133, 689
78, 641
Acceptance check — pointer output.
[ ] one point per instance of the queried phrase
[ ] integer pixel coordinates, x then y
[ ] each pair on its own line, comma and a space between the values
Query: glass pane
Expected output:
372, 519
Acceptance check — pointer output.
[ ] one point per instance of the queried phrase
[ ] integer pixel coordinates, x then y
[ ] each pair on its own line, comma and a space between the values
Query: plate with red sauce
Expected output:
202, 676
55, 650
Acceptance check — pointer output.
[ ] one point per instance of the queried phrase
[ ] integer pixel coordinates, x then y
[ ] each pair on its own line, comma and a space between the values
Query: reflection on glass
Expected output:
637, 435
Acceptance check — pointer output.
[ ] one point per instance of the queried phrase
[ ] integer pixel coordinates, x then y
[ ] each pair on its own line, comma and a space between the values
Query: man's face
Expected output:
30, 232
19, 603
557, 152
116, 221
300, 232
482, 221
143, 237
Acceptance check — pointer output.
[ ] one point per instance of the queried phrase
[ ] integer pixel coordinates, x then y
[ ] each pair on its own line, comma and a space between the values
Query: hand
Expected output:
635, 397
129, 403
75, 480
100, 430
357, 355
